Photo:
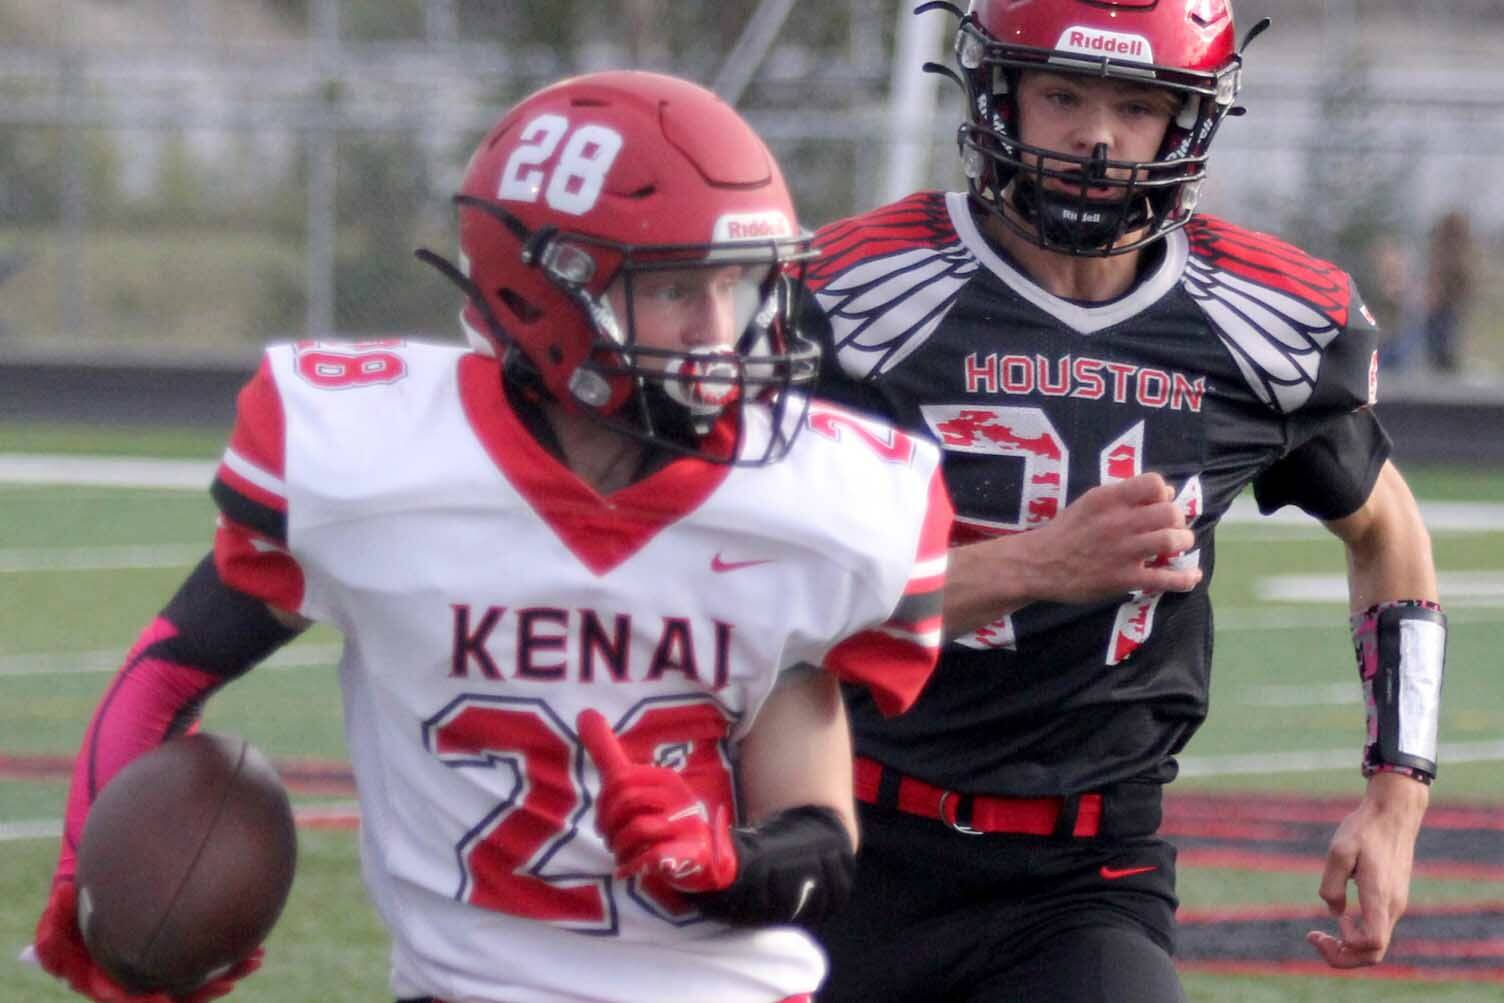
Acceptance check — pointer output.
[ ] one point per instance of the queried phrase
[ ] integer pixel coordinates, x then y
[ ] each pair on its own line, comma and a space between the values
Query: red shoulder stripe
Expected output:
934, 536
1268, 261
256, 566
920, 219
896, 659
259, 423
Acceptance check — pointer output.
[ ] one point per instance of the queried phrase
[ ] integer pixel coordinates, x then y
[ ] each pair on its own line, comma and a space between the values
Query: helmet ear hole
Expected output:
520, 307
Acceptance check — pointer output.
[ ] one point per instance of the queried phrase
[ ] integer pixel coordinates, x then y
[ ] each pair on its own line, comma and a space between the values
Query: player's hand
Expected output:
60, 950
655, 825
1117, 538
221, 985
1374, 847
1128, 536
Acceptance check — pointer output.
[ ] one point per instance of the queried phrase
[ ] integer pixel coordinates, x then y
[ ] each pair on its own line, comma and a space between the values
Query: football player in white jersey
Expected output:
599, 575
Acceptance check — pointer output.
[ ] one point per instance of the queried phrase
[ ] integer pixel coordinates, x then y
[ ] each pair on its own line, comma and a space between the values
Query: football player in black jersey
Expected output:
1092, 355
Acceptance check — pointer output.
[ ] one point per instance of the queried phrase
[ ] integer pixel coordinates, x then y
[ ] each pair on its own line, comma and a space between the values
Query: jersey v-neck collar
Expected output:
602, 531
1079, 317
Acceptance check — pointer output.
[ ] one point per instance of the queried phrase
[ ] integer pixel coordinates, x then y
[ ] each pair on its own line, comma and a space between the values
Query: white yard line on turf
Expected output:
300, 656
1442, 518
52, 828
1458, 588
22, 560
1312, 760
106, 471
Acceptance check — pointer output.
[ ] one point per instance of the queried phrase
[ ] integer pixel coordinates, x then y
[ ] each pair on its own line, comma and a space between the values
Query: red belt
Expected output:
1025, 816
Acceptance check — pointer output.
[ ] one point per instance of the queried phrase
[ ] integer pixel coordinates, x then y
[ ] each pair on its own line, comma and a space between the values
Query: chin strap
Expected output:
1073, 224
1401, 649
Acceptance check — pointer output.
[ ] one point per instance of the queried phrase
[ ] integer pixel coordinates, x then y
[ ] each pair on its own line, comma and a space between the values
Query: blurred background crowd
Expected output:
188, 179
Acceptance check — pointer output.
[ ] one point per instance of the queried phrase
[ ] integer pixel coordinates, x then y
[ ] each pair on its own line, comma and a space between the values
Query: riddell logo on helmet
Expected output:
1096, 42
769, 225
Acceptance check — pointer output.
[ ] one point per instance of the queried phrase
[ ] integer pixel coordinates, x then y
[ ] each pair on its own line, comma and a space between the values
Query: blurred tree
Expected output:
1355, 187
386, 21
30, 184
181, 188
384, 190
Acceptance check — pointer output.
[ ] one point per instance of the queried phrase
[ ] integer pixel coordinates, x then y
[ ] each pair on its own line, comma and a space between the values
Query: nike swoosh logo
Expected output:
1114, 873
805, 891
720, 566
696, 810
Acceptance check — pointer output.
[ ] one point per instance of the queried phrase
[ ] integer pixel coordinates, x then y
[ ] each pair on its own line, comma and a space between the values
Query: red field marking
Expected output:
1447, 941
1492, 948
1217, 828
301, 776
338, 815
35, 767
1187, 809
1239, 914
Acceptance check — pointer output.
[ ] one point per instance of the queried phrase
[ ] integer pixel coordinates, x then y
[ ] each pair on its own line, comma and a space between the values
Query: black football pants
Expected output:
938, 916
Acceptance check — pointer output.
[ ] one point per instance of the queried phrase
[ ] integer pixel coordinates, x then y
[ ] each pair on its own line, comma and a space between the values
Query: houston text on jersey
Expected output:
1084, 377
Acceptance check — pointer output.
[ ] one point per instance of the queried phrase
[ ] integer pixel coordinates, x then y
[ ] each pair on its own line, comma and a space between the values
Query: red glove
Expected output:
655, 825
60, 950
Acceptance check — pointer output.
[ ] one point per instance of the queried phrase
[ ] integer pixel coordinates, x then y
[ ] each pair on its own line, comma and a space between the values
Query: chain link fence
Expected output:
218, 175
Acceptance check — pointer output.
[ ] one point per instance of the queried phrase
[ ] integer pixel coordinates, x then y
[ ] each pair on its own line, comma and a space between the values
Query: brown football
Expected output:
186, 860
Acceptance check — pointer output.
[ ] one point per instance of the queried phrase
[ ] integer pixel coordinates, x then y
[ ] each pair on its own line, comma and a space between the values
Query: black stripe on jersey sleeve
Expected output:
220, 631
916, 609
263, 519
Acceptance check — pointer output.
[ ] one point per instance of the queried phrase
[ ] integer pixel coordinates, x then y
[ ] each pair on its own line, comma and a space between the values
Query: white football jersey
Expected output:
487, 596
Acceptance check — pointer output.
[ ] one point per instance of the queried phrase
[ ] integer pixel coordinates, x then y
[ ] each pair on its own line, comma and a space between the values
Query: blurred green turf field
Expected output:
1283, 683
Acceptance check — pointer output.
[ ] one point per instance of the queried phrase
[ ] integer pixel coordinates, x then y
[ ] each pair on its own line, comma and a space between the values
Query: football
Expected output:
186, 860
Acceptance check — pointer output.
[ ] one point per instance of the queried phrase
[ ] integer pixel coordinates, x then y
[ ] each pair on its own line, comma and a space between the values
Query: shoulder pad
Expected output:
918, 221
1276, 308
885, 280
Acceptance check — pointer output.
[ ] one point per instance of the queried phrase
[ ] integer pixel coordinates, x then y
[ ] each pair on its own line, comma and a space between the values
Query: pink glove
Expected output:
655, 825
60, 950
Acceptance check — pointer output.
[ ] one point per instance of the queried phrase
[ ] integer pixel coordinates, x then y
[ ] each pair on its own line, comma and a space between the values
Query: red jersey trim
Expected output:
920, 220
934, 536
249, 563
894, 670
896, 659
259, 433
601, 532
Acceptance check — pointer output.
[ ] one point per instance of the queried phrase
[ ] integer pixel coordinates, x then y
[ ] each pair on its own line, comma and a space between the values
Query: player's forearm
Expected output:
990, 579
206, 635
799, 751
148, 701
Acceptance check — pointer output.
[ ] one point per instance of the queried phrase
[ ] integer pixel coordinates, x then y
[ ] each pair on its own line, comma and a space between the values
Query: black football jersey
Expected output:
1233, 358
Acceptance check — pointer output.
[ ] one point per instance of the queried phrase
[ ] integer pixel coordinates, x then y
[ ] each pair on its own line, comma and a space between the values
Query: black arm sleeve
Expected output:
1331, 474
795, 867
219, 630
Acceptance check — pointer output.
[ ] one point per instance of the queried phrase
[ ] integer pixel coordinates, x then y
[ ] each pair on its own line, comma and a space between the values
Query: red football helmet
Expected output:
1185, 46
600, 180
